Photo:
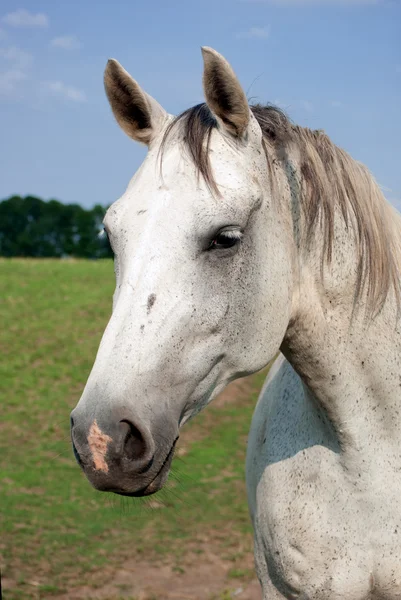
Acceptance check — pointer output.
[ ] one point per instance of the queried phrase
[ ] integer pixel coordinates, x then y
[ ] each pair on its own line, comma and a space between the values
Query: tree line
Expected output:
32, 227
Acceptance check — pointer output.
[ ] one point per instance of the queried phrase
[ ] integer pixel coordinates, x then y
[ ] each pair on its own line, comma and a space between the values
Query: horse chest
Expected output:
321, 540
327, 543
319, 533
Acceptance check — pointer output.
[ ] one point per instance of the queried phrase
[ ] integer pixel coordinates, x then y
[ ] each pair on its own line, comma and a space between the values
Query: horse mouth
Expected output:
157, 482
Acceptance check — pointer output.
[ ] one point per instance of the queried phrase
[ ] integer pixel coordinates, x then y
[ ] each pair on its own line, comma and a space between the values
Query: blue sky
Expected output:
332, 64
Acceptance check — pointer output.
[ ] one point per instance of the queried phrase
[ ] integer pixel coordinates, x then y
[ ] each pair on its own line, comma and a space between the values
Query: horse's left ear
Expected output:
224, 94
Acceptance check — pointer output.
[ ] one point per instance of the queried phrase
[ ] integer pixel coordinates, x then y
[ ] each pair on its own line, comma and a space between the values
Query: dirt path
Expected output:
203, 575
203, 578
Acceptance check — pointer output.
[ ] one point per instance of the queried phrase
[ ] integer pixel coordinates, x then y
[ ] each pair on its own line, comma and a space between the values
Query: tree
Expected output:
32, 227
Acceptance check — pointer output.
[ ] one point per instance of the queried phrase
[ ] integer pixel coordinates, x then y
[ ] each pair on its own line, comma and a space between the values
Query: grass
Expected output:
55, 529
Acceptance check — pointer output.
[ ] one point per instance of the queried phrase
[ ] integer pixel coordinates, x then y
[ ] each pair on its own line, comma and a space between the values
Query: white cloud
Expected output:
9, 80
17, 57
23, 18
14, 64
261, 33
67, 91
66, 42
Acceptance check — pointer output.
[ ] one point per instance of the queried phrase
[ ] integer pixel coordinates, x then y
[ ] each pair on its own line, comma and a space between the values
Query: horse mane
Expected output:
330, 180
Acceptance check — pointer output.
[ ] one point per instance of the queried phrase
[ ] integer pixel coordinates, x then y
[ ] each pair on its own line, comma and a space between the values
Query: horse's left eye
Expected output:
225, 239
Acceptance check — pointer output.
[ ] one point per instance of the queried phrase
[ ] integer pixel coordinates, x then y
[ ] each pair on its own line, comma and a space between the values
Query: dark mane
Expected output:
329, 179
197, 124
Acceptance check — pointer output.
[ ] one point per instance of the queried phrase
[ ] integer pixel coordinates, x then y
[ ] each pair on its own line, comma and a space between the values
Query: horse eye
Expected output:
225, 239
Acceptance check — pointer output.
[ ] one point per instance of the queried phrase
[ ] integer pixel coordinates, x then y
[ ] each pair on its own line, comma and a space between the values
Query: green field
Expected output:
55, 529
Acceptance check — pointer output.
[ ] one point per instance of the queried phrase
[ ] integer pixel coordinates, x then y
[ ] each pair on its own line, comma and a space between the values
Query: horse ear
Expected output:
224, 94
137, 113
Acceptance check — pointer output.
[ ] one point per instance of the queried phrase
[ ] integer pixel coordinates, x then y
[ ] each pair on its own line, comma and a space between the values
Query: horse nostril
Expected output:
71, 422
134, 444
132, 440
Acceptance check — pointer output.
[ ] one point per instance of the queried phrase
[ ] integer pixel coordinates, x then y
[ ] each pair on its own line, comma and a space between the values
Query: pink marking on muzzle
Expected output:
98, 441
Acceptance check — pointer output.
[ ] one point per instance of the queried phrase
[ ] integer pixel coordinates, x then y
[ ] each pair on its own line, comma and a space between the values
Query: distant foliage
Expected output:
32, 227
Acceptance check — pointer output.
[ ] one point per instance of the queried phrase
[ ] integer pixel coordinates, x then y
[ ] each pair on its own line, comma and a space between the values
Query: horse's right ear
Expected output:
137, 113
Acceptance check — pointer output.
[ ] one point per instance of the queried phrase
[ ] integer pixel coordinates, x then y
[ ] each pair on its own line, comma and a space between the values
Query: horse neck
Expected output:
350, 364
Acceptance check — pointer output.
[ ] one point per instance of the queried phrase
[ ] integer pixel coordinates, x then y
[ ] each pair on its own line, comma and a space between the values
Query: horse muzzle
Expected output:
122, 455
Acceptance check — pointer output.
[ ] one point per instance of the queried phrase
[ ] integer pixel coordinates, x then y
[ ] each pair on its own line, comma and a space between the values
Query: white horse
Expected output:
242, 235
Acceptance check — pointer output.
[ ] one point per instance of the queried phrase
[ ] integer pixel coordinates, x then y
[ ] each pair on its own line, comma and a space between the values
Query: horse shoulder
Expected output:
293, 473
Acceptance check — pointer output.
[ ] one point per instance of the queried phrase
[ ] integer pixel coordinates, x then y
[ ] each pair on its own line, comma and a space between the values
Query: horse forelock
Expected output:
330, 180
